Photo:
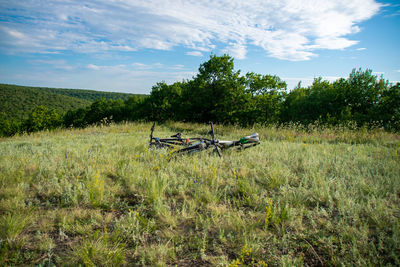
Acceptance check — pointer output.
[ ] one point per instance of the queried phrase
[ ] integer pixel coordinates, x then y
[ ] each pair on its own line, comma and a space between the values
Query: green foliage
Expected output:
217, 92
75, 118
102, 111
388, 109
165, 100
362, 98
267, 93
8, 127
220, 94
90, 95
42, 118
19, 107
17, 102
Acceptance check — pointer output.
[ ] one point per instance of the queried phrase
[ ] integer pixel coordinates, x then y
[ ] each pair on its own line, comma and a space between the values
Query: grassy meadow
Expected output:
99, 196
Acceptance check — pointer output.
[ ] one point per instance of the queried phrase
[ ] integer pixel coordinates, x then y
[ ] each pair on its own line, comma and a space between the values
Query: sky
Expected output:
130, 45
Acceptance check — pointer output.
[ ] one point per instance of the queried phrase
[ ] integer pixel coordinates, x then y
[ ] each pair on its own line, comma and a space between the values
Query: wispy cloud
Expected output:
391, 10
178, 67
93, 67
285, 29
361, 49
118, 77
141, 66
194, 53
54, 63
109, 69
292, 82
378, 73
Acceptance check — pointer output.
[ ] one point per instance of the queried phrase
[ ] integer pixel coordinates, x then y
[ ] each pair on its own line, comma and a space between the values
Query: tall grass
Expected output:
99, 196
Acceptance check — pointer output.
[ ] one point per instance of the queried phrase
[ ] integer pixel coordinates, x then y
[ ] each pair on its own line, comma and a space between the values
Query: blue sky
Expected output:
130, 45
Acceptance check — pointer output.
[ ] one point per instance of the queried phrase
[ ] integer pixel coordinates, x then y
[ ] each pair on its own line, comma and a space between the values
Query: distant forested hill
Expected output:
88, 94
17, 101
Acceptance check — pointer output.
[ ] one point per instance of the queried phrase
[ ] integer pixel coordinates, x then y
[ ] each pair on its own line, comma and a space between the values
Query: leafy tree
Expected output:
134, 108
258, 84
117, 110
295, 106
341, 110
75, 118
359, 97
42, 118
267, 93
165, 100
98, 111
8, 126
363, 94
216, 91
389, 107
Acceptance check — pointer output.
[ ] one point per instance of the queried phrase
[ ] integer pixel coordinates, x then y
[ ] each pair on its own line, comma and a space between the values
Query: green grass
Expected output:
99, 196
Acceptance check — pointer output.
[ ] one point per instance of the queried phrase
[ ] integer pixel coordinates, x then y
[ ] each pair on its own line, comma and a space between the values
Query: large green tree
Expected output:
166, 101
363, 94
217, 91
267, 95
389, 107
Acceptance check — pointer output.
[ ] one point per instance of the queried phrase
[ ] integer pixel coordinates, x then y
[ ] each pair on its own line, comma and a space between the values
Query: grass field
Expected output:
99, 196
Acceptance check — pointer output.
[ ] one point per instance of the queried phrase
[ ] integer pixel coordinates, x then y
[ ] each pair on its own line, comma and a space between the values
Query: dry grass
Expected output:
99, 196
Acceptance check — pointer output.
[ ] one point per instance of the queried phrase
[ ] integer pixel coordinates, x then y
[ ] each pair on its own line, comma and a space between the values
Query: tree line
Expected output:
221, 94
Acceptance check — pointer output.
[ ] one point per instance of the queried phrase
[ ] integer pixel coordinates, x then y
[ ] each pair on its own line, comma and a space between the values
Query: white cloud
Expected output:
194, 53
142, 66
178, 67
136, 77
285, 29
237, 50
55, 63
292, 82
139, 65
93, 67
378, 73
361, 49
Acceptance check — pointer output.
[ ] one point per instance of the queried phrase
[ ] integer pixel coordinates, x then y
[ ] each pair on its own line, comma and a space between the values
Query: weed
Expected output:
101, 248
246, 258
268, 214
11, 242
12, 224
96, 189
